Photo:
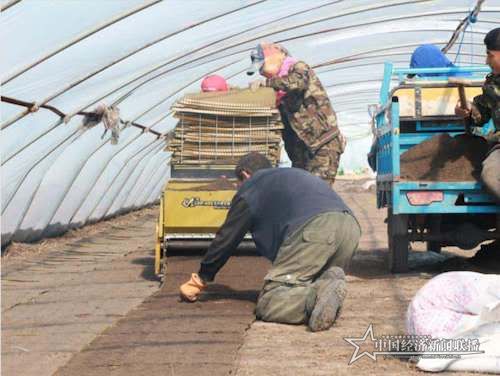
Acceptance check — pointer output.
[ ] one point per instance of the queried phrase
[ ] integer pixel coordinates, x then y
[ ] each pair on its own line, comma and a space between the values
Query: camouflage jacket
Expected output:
306, 106
487, 106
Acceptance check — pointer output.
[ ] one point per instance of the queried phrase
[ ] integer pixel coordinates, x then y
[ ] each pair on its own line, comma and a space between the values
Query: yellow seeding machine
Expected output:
214, 130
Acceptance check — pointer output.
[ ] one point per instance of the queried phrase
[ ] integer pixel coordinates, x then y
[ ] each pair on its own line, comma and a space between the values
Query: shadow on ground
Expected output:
148, 273
223, 292
373, 264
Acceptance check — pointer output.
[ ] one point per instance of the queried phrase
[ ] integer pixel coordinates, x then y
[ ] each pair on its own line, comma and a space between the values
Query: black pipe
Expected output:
174, 245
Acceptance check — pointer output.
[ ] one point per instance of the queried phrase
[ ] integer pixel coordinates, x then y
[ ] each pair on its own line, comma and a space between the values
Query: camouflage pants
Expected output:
289, 292
324, 163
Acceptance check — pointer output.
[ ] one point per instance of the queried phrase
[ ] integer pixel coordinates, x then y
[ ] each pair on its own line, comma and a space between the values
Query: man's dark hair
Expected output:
492, 40
251, 163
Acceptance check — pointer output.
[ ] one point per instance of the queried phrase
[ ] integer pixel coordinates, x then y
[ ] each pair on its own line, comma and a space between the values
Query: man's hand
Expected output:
463, 112
192, 288
254, 85
471, 112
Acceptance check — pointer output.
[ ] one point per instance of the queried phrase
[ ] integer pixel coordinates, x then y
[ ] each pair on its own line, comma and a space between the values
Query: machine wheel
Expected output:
397, 230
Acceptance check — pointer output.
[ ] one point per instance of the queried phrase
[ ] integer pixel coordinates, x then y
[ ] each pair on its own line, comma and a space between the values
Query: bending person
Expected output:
299, 223
312, 138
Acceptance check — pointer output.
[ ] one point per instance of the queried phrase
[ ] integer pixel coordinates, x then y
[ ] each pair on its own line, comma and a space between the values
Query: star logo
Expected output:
410, 345
353, 341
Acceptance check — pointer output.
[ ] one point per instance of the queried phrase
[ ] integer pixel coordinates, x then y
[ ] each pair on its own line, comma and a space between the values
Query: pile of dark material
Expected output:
445, 158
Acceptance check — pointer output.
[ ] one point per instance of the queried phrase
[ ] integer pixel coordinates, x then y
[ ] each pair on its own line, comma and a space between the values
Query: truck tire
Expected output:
397, 231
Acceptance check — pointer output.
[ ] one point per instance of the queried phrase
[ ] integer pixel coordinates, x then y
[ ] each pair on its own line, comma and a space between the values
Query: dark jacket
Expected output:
272, 204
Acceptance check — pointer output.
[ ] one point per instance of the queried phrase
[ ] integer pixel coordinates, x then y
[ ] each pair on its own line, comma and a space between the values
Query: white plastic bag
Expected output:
451, 303
489, 361
459, 305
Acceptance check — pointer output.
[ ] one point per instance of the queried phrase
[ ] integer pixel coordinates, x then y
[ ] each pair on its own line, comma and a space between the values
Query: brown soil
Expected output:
165, 336
445, 158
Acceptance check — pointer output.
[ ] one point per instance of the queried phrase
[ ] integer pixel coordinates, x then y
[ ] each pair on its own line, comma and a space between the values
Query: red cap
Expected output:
214, 83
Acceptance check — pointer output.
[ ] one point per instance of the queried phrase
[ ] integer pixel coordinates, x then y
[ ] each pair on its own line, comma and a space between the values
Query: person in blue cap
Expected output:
430, 56
424, 56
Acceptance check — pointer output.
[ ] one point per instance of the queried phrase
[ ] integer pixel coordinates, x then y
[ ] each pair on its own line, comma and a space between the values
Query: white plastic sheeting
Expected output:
142, 55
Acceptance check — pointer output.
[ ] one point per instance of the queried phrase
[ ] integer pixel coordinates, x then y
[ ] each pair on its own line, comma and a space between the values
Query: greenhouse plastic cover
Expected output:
141, 55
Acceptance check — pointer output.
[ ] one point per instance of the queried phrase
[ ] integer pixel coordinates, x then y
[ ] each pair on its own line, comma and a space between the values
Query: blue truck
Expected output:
440, 213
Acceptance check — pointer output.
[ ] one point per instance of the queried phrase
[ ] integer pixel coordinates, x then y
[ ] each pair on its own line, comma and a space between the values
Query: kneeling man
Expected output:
303, 227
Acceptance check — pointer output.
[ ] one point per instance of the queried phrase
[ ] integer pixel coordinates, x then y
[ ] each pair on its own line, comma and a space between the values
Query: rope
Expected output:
471, 19
33, 107
457, 56
462, 26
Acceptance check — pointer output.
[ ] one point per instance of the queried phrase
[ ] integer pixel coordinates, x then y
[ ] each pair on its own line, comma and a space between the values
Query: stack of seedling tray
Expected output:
217, 128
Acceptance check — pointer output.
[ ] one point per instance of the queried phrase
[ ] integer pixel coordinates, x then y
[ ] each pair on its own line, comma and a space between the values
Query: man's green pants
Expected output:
289, 292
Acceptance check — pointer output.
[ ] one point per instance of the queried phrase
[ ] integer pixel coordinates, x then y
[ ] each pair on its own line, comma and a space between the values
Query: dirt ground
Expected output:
150, 331
15, 252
